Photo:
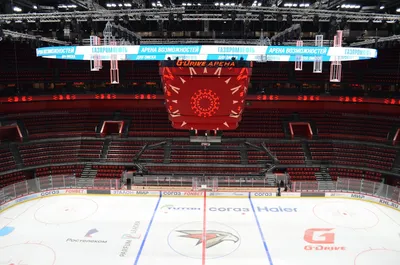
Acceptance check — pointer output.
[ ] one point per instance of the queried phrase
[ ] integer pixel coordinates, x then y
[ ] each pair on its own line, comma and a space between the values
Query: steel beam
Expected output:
242, 13
33, 37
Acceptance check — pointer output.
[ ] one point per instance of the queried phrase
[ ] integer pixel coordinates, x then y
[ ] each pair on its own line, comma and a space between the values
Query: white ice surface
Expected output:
368, 233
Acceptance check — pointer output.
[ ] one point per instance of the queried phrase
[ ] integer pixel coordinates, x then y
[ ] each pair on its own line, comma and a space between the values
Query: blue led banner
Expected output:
206, 52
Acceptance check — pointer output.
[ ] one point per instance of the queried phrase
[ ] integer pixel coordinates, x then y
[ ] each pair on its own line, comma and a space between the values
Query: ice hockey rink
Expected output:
130, 230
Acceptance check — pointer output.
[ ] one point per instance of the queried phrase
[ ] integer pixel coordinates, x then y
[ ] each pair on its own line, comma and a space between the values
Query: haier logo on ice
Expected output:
260, 209
276, 209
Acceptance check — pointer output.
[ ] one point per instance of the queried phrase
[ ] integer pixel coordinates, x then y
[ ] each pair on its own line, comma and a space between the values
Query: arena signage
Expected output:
75, 191
263, 194
49, 193
364, 197
134, 192
171, 193
214, 53
189, 63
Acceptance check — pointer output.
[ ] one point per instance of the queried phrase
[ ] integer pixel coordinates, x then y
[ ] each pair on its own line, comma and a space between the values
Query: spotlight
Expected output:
143, 18
370, 24
279, 18
343, 22
289, 19
384, 24
233, 15
125, 19
180, 17
261, 16
316, 20
116, 20
25, 25
62, 23
171, 17
37, 23
333, 21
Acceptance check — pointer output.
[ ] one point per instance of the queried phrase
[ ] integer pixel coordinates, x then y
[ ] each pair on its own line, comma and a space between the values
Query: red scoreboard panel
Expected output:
210, 97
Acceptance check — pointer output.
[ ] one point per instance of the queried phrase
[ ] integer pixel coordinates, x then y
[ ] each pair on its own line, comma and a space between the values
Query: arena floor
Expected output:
120, 230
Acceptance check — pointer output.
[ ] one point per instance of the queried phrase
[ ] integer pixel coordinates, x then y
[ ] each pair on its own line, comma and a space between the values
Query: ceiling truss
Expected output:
242, 13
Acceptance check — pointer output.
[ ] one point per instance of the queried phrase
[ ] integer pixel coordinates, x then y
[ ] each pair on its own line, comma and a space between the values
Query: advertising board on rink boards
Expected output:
290, 194
363, 197
261, 194
135, 192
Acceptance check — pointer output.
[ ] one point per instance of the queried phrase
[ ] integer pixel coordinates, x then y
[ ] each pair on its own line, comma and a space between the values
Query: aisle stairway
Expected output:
87, 177
324, 179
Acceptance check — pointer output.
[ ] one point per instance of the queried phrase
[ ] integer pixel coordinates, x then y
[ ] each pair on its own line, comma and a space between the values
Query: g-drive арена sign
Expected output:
261, 209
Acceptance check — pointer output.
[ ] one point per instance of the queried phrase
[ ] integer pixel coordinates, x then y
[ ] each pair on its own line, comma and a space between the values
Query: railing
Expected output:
59, 182
54, 182
176, 180
350, 185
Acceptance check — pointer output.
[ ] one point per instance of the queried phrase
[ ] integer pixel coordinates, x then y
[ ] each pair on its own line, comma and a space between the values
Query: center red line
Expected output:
204, 235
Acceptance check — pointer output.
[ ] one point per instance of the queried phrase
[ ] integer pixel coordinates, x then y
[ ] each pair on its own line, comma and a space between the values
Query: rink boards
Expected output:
200, 194
144, 227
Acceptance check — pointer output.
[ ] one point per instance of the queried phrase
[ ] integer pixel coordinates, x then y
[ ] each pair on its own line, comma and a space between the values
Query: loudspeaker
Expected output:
129, 183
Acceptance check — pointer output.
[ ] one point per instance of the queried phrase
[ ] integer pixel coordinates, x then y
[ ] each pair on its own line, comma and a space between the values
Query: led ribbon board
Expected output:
205, 53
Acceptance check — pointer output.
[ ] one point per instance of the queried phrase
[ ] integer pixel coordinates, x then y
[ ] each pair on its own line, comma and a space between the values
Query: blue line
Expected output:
147, 231
259, 229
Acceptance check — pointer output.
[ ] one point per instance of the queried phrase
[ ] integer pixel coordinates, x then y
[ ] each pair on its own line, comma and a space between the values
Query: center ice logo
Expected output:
212, 237
220, 240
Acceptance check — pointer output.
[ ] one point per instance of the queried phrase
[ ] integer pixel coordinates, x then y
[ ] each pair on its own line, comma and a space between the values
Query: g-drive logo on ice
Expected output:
278, 209
321, 239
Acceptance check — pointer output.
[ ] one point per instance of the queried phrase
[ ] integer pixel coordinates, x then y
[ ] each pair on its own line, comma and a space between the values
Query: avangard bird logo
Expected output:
212, 237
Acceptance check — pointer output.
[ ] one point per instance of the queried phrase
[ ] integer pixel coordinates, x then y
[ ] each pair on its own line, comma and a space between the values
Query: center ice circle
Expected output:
67, 210
378, 256
28, 253
220, 240
342, 214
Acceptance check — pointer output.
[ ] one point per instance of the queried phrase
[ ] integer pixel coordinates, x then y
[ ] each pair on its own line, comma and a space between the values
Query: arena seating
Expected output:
302, 174
152, 122
73, 170
108, 171
287, 153
7, 161
207, 170
356, 155
258, 157
60, 152
354, 174
8, 179
62, 124
349, 126
259, 123
185, 152
123, 151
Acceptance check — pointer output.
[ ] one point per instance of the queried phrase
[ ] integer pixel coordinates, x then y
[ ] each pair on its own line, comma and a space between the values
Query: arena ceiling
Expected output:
366, 6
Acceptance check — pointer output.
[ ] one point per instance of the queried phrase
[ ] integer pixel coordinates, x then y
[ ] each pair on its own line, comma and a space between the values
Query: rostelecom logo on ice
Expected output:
321, 239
